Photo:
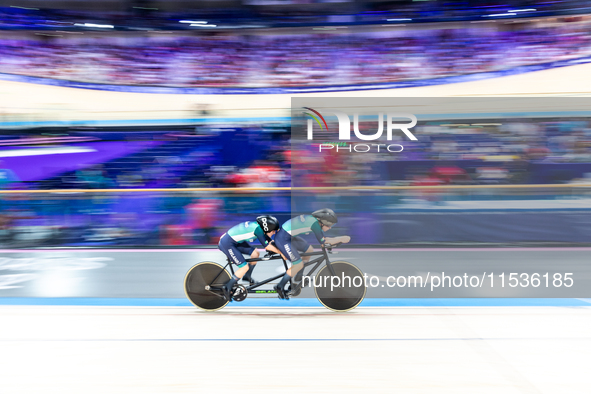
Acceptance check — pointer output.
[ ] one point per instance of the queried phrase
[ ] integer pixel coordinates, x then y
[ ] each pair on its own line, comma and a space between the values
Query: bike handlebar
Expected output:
330, 246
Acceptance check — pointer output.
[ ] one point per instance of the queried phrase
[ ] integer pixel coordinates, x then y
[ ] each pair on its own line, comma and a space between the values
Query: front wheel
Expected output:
343, 294
199, 279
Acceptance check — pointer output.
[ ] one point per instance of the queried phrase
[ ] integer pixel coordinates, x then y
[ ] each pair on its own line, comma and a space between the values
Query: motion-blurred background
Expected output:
133, 133
101, 103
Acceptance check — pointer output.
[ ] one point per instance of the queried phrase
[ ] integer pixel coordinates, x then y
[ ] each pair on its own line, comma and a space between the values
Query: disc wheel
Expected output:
202, 275
346, 295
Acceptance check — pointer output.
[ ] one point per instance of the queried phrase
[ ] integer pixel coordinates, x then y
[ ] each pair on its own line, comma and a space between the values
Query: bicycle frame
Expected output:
252, 288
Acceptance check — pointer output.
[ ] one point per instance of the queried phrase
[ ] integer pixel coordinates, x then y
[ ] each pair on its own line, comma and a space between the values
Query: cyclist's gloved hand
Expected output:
334, 241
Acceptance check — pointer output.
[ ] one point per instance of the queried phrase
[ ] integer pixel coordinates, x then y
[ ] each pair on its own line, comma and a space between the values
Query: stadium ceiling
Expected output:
118, 5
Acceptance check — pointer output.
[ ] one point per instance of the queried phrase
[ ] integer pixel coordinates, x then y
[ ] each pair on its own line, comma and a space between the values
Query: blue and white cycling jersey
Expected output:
248, 231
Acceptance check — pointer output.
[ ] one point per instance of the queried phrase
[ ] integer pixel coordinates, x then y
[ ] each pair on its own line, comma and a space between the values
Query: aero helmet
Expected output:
268, 223
326, 216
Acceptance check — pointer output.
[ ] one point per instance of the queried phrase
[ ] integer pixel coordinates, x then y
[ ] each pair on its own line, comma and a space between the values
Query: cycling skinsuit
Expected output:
290, 243
236, 241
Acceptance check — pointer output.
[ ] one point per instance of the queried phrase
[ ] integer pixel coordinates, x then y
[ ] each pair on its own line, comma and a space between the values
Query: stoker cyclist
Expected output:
235, 243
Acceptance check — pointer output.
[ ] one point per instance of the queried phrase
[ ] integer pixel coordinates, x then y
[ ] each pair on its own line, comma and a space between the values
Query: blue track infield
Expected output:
305, 302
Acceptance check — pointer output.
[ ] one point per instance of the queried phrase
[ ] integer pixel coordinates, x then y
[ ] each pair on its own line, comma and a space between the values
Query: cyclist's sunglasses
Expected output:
326, 223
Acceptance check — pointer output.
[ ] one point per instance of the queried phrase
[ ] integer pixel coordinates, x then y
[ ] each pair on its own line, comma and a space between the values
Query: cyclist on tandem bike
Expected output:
288, 241
210, 286
235, 242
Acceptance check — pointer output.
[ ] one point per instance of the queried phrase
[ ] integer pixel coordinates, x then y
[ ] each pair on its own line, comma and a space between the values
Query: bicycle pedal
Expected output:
240, 293
227, 294
282, 294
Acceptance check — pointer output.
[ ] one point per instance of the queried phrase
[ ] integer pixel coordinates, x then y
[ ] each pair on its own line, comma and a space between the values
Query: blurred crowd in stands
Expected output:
511, 152
524, 151
484, 152
240, 14
292, 60
45, 43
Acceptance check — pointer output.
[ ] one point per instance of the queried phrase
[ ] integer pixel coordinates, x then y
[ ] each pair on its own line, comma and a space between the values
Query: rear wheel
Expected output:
348, 291
202, 275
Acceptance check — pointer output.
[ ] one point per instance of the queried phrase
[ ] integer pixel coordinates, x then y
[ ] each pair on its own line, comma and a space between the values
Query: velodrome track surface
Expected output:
181, 350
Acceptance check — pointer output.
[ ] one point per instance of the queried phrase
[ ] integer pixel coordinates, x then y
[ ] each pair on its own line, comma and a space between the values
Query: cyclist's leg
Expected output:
246, 248
230, 248
297, 270
302, 246
294, 273
283, 242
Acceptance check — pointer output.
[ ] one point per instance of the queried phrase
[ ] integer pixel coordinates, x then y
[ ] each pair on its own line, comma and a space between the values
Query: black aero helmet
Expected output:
268, 223
326, 216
